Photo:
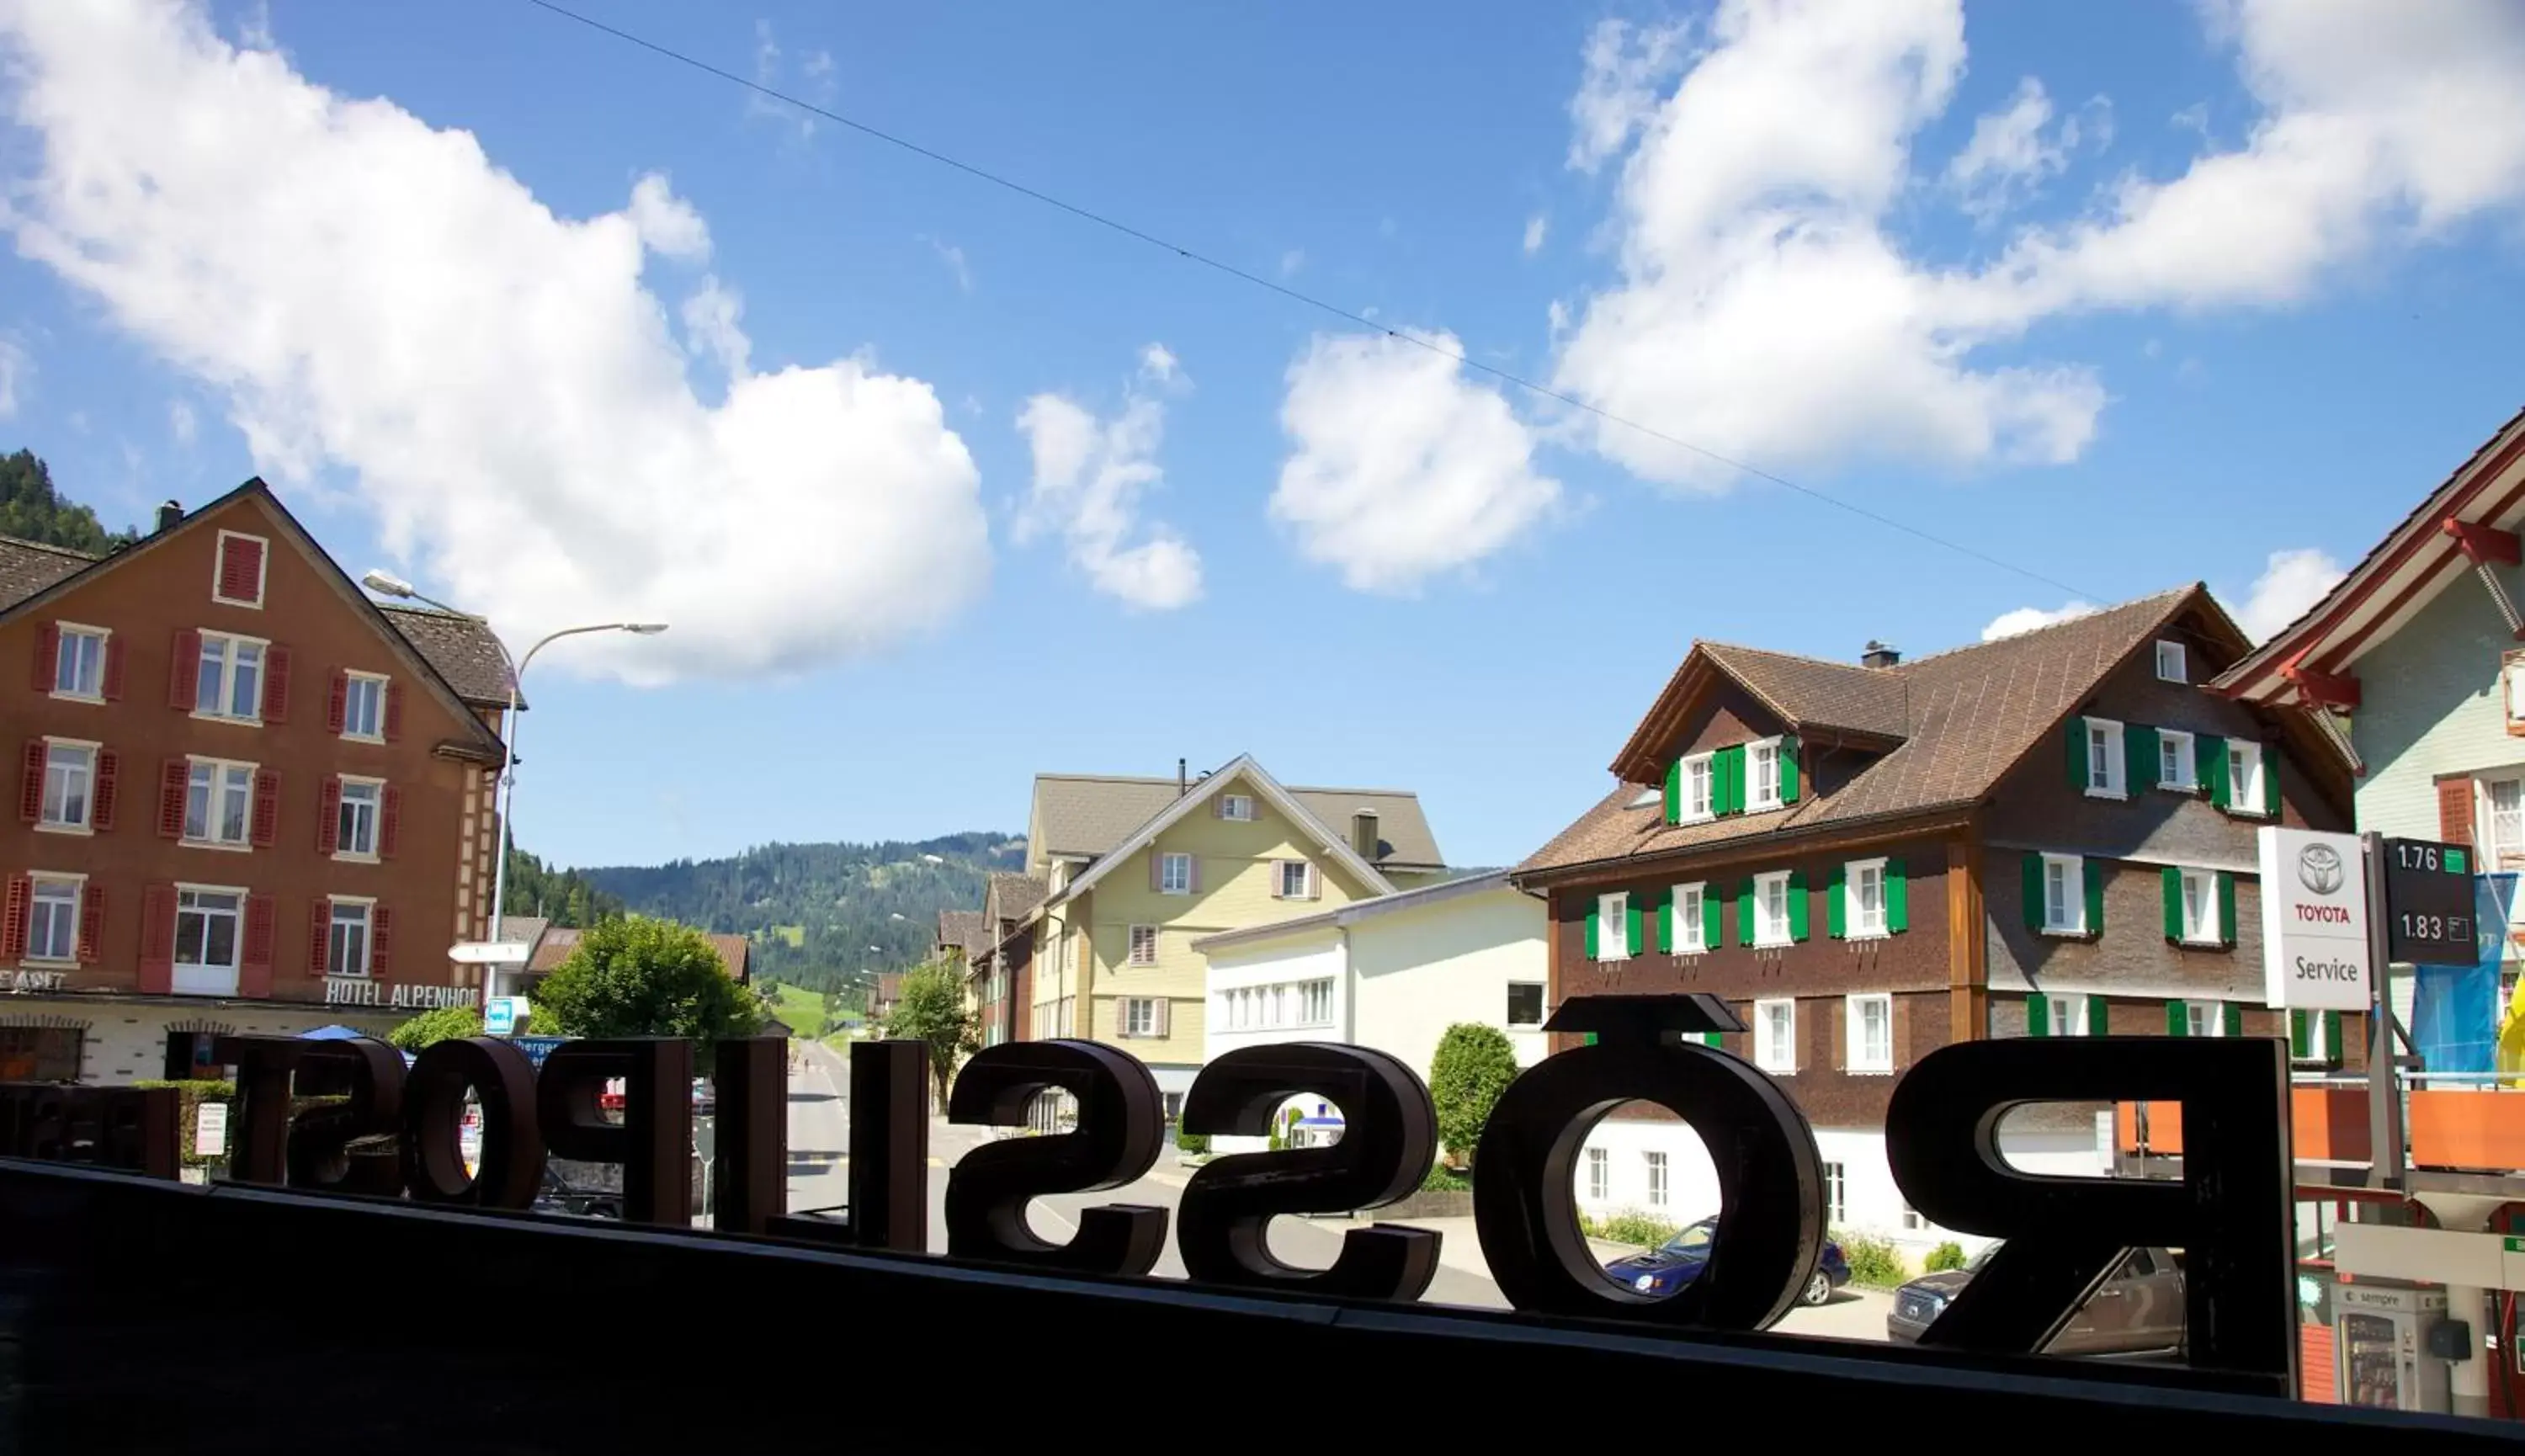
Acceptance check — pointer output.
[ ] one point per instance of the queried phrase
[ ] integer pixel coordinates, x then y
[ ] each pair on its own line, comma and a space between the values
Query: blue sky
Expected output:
2129, 296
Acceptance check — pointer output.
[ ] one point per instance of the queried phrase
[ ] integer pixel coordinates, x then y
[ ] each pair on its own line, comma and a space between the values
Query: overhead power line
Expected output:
1295, 295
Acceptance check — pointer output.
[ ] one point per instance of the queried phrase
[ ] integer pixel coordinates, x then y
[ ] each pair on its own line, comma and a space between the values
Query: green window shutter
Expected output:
2234, 1016
1665, 927
2100, 1017
1590, 1039
1898, 898
1835, 917
2139, 758
1745, 913
2331, 1037
1706, 1039
2209, 766
2038, 1015
1674, 792
2078, 753
2296, 1036
1593, 918
2177, 1022
2271, 780
2226, 909
2033, 890
1728, 775
1797, 905
2172, 878
2092, 875
1788, 756
1632, 940
1710, 908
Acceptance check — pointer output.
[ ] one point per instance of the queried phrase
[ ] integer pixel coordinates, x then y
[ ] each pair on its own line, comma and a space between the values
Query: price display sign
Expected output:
2429, 904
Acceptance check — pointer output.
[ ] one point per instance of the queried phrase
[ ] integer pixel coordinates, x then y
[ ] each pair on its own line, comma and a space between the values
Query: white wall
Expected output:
1312, 955
1421, 970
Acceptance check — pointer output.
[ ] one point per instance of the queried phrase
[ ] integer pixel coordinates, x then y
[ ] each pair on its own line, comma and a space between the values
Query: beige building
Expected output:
1139, 868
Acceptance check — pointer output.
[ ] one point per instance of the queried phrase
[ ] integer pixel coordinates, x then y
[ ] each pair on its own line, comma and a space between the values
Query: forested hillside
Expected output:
562, 896
814, 911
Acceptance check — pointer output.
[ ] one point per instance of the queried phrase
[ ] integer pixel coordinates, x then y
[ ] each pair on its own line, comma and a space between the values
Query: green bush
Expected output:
1445, 1179
446, 1023
1628, 1226
1192, 1142
1874, 1263
1475, 1064
1945, 1256
190, 1094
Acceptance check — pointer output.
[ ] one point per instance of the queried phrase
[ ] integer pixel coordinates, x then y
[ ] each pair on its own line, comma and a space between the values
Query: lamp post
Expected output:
384, 584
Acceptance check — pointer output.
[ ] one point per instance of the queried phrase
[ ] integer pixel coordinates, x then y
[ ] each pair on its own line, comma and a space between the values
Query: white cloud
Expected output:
368, 295
713, 325
1089, 476
15, 366
2291, 581
181, 423
2027, 618
666, 224
1535, 228
817, 83
2015, 151
953, 257
1766, 309
1400, 468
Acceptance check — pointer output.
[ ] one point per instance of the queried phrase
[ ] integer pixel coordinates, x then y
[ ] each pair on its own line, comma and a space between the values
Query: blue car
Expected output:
1679, 1261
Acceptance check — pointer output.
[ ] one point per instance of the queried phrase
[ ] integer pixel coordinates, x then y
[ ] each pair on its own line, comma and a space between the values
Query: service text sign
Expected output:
2314, 919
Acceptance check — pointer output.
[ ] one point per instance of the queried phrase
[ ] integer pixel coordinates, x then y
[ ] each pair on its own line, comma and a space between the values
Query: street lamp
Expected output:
386, 584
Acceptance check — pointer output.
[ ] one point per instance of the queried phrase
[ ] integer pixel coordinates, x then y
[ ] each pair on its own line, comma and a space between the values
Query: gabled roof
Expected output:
1266, 788
1357, 911
2419, 558
961, 930
1084, 816
28, 567
1012, 895
1970, 714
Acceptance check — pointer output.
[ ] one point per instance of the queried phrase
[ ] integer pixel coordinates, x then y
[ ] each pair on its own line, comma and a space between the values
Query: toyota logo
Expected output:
2319, 868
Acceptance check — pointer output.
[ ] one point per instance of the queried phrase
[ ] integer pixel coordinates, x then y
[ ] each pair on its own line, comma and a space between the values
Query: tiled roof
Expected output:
1970, 714
1012, 895
733, 951
559, 941
1079, 814
528, 929
1814, 693
28, 568
961, 930
461, 649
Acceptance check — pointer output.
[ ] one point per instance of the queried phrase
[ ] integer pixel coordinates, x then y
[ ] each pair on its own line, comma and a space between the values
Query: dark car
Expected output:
2137, 1310
560, 1196
1679, 1261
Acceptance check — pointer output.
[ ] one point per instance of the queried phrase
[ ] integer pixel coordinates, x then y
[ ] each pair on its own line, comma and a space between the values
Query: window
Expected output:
69, 784
2065, 894
2105, 758
79, 663
2170, 666
2506, 820
1174, 873
230, 684
1600, 1175
1297, 879
1763, 763
1525, 1003
1140, 1016
356, 822
1174, 1107
52, 927
1693, 788
1775, 1035
1911, 1220
1236, 806
1316, 1003
2204, 1019
346, 940
364, 707
218, 802
1613, 926
1863, 881
1836, 1195
1657, 1178
40, 1053
1871, 1034
237, 576
1771, 908
209, 928
2065, 1016
1691, 924
1143, 945
2246, 792
2200, 916
2174, 766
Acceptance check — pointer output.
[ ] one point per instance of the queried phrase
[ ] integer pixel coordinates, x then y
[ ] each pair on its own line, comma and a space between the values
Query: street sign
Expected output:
537, 1048
500, 1014
489, 952
211, 1130
2429, 902
2314, 919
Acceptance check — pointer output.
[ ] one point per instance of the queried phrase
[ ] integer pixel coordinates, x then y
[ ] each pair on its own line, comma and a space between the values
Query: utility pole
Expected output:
2383, 1078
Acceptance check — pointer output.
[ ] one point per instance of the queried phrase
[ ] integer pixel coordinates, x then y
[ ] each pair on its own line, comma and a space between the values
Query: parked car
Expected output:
2138, 1309
1679, 1261
560, 1196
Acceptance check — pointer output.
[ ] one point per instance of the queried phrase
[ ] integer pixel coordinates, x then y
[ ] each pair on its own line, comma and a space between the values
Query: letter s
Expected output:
1119, 1124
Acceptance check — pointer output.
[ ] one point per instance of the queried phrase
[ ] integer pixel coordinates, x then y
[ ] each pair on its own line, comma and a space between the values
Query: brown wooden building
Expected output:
2049, 834
249, 799
1002, 962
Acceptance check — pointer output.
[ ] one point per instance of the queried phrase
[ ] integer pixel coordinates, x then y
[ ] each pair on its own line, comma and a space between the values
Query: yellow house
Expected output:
1138, 869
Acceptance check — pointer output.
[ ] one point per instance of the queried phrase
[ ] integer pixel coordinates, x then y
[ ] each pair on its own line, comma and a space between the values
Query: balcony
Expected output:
2471, 1129
2328, 1124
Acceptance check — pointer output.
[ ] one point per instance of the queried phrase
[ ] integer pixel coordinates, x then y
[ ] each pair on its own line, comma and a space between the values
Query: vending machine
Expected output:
2380, 1350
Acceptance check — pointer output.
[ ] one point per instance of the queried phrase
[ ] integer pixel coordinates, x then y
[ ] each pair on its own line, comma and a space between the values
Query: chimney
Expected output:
1183, 786
1363, 834
169, 514
1878, 655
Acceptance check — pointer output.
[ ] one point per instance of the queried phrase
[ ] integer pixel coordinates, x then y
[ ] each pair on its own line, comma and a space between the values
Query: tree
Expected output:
645, 977
931, 1008
32, 511
1474, 1066
446, 1023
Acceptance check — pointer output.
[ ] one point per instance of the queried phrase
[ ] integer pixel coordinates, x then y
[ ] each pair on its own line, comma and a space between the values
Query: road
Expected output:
819, 1156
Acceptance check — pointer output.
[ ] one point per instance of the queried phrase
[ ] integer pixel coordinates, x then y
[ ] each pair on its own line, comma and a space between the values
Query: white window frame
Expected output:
2206, 932
2508, 853
1169, 883
344, 817
1658, 1174
1836, 1194
1761, 790
2185, 763
1542, 990
211, 798
66, 633
1306, 879
1699, 766
1613, 926
1139, 934
1912, 1220
1775, 1043
2317, 1046
85, 824
1139, 1016
1238, 807
2197, 1012
367, 925
1858, 1059
1316, 1002
261, 569
230, 643
78, 885
1691, 931
1766, 932
1600, 1175
2246, 766
2065, 1016
2073, 872
2112, 761
2172, 653
1856, 925
353, 681
209, 978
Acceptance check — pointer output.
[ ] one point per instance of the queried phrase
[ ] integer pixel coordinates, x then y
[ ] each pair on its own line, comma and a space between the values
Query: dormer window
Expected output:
1763, 775
2170, 663
1693, 801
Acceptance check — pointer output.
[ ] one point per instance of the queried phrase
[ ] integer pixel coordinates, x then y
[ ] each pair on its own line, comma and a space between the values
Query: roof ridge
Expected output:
72, 552
1316, 788
2105, 611
1821, 662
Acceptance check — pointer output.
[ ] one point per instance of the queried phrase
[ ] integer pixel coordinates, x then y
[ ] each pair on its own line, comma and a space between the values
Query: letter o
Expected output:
512, 1170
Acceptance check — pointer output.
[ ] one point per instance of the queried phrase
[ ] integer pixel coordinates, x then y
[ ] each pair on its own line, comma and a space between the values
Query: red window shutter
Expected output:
266, 810
48, 655
328, 816
381, 939
15, 911
184, 672
114, 668
337, 707
30, 787
276, 685
241, 569
394, 712
2454, 811
91, 939
108, 776
389, 820
158, 939
319, 932
173, 777
254, 966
